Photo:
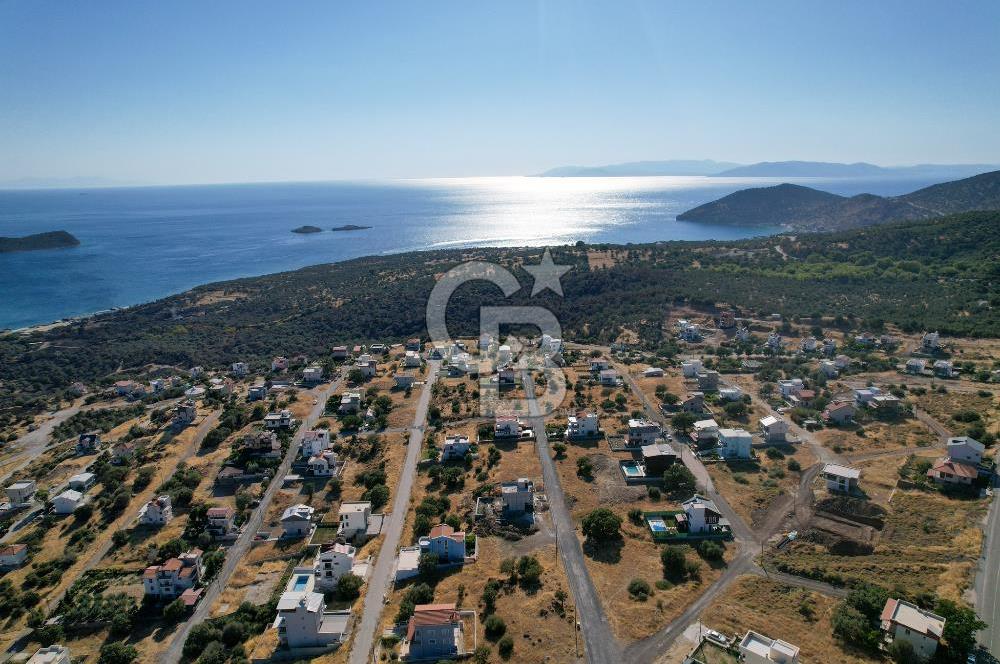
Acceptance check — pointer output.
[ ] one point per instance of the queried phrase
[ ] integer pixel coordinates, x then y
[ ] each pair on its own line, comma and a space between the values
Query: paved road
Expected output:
163, 473
599, 641
987, 586
35, 442
242, 545
381, 577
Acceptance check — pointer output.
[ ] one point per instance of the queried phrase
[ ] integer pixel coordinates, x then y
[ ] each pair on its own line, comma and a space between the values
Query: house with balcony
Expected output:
350, 402
168, 581
314, 442
901, 620
333, 560
157, 512
88, 443
735, 444
261, 443
774, 429
434, 632
22, 492
302, 620
297, 520
507, 427
446, 542
759, 649
582, 425
281, 420
13, 556
67, 501
312, 374
964, 449
323, 464
841, 479
455, 447
642, 432
517, 497
221, 521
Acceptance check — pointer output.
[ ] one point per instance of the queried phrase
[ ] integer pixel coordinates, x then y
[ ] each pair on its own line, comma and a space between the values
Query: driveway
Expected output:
381, 577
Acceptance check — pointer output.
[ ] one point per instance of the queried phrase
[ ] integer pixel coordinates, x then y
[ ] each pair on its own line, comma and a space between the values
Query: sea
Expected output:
139, 244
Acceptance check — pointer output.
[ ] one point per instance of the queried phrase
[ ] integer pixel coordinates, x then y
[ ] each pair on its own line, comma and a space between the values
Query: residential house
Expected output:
413, 344
908, 622
279, 420
842, 361
279, 364
439, 352
694, 403
964, 449
759, 649
323, 464
841, 479
656, 458
864, 396
332, 561
485, 339
315, 441
840, 412
67, 501
944, 369
435, 632
446, 542
808, 345
582, 425
708, 381
296, 520
220, 387
829, 368
888, 341
405, 379
257, 392
350, 402
312, 374
82, 481
930, 342
240, 369
339, 352
706, 430
412, 359
653, 372
609, 377
743, 334
598, 364
184, 414
790, 387
456, 446
303, 621
642, 432
88, 443
354, 519
803, 397
125, 388
221, 521
264, 443
829, 346
13, 556
735, 443
691, 332
774, 341
691, 368
174, 576
727, 319
916, 365
122, 452
700, 515
367, 365
157, 512
507, 427
730, 393
885, 403
550, 345
505, 376
947, 471
865, 340
54, 654
22, 492
517, 496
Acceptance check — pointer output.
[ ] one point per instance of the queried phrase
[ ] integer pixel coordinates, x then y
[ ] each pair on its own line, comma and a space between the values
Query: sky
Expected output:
242, 91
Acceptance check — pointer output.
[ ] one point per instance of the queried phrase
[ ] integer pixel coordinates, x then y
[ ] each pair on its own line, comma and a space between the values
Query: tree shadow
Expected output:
609, 551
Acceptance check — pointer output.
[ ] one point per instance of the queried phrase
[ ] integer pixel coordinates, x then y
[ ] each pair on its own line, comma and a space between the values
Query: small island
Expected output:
349, 227
37, 242
307, 229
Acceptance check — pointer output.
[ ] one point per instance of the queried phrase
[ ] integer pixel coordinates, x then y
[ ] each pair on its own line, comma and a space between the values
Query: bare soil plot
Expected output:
876, 436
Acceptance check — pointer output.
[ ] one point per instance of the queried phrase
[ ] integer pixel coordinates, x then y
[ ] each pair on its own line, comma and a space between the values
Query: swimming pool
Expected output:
657, 524
301, 582
632, 469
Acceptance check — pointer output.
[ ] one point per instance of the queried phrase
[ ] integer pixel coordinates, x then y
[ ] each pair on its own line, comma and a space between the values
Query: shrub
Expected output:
635, 516
774, 453
674, 562
117, 653
505, 647
349, 587
794, 465
494, 627
639, 590
678, 479
174, 611
602, 525
710, 550
529, 569
585, 468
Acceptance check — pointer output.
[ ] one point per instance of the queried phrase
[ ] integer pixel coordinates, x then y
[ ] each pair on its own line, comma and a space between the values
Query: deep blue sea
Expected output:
142, 243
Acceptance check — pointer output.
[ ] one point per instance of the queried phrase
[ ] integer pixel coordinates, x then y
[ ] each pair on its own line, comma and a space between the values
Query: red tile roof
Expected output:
431, 614
954, 468
12, 549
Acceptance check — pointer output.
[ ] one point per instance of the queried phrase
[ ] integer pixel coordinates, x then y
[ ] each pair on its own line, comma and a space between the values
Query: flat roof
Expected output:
841, 471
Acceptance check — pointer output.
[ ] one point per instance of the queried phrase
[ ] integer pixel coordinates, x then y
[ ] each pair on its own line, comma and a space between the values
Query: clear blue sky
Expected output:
244, 91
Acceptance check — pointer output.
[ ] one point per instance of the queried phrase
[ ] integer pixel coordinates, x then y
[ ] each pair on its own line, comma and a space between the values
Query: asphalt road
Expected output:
35, 442
243, 543
381, 578
601, 646
987, 585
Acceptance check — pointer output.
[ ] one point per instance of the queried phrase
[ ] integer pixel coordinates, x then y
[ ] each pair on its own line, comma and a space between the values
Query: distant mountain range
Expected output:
779, 169
804, 208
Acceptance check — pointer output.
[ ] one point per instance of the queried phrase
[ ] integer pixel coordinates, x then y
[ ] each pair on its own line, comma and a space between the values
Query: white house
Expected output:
842, 361
701, 514
354, 518
504, 354
808, 345
350, 402
279, 420
332, 562
339, 352
82, 481
13, 556
609, 377
706, 429
517, 496
774, 341
157, 512
653, 372
367, 366
240, 369
840, 412
303, 621
864, 396
312, 374
411, 359
456, 446
507, 426
775, 429
690, 368
790, 387
931, 341
916, 365
841, 479
582, 425
829, 368
446, 542
67, 501
54, 654
323, 464
315, 441
730, 394
221, 521
908, 622
965, 450
22, 491
829, 346
734, 443
598, 364
435, 632
296, 520
759, 649
642, 432
944, 368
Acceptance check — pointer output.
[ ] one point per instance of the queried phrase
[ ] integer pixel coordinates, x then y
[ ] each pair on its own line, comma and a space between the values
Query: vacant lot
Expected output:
876, 436
752, 487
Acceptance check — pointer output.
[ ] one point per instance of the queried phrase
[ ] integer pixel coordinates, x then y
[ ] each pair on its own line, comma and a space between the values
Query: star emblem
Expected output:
546, 275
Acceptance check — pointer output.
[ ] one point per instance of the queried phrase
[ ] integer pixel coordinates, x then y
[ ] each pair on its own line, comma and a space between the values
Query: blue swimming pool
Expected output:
657, 524
301, 582
631, 469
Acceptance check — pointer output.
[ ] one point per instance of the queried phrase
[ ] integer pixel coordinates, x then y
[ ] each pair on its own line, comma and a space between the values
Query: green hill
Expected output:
39, 241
